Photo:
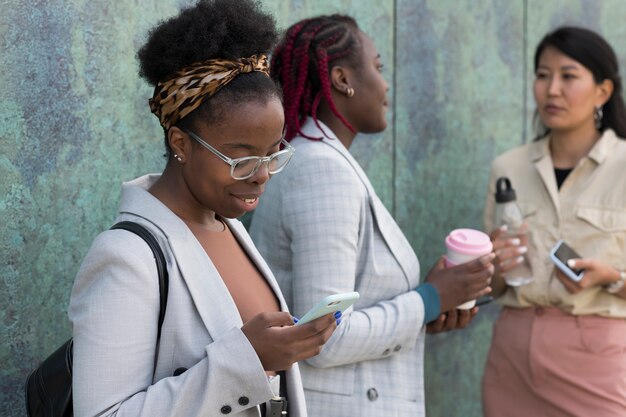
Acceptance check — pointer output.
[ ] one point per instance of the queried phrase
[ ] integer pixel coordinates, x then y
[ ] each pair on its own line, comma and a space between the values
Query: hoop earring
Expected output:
597, 117
178, 158
350, 92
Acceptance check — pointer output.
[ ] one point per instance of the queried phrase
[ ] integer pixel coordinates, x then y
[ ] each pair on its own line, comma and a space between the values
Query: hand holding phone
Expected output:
484, 300
560, 254
330, 304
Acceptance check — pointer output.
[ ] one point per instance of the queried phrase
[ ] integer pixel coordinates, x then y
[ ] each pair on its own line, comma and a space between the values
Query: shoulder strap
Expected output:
161, 265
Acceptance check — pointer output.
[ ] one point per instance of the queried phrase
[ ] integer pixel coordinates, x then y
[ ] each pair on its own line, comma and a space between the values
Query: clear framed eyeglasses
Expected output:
246, 167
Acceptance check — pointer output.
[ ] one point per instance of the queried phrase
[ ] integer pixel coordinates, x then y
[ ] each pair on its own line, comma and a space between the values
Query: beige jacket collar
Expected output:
599, 153
540, 156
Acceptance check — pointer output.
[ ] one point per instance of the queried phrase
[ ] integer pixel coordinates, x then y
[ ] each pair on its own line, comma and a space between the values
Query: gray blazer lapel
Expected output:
394, 238
389, 229
196, 269
204, 281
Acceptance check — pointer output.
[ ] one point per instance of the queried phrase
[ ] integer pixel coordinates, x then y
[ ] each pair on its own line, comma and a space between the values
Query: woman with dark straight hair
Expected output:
597, 56
559, 345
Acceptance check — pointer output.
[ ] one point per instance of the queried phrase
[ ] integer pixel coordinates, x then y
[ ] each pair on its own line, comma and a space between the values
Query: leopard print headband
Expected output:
182, 94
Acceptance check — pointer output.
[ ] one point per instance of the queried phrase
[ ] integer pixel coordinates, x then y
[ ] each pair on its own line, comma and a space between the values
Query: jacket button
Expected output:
372, 394
244, 401
226, 409
397, 348
387, 352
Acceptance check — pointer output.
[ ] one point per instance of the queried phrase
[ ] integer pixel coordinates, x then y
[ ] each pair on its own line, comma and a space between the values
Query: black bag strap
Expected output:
49, 386
161, 265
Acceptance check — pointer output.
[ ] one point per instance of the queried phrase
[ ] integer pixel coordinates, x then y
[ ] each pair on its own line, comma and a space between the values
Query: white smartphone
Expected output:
560, 254
330, 304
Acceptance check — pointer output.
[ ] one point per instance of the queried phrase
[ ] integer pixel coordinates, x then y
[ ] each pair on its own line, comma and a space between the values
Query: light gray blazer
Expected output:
114, 312
323, 230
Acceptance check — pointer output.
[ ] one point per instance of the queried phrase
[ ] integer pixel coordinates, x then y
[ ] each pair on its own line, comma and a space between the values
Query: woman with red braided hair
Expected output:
323, 230
227, 344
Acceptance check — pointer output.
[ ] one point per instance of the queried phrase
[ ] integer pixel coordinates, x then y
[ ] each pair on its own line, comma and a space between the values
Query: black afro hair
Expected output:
228, 29
211, 29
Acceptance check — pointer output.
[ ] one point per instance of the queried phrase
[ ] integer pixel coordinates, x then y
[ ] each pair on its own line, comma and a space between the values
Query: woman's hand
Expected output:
509, 249
509, 252
451, 320
461, 283
279, 343
596, 273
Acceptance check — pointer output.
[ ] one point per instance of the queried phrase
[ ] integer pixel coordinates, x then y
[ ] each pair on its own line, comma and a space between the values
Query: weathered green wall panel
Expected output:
74, 124
459, 91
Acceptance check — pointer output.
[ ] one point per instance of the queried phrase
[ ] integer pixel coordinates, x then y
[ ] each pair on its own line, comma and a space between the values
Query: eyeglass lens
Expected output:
247, 167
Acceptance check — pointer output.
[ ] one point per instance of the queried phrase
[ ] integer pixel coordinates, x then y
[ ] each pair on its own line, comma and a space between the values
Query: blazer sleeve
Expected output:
322, 211
114, 313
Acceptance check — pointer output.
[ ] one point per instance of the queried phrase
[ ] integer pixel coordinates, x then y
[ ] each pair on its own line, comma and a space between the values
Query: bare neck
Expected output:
172, 191
567, 148
343, 133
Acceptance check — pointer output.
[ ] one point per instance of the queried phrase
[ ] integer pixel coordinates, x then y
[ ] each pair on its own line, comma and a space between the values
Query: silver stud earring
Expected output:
597, 117
178, 158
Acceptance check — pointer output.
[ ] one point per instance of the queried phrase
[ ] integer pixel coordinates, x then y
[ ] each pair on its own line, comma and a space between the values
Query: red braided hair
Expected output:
301, 65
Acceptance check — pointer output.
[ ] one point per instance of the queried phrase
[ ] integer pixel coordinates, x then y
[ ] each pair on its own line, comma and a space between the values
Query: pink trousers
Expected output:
547, 363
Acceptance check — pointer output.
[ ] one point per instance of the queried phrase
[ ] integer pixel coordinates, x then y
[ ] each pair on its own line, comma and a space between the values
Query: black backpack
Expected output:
49, 386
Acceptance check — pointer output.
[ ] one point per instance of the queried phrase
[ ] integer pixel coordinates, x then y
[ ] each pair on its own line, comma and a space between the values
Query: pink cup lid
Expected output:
469, 242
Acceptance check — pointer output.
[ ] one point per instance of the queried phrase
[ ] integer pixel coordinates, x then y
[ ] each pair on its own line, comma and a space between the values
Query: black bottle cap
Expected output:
504, 190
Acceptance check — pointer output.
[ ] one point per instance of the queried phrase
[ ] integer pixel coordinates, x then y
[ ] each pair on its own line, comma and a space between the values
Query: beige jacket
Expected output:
588, 212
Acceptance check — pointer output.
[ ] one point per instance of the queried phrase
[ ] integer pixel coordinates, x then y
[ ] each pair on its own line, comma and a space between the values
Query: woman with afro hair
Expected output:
324, 230
227, 344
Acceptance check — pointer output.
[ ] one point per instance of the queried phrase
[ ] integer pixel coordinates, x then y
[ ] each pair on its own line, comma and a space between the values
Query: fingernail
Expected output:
519, 259
515, 241
571, 263
504, 227
295, 320
338, 321
522, 249
338, 315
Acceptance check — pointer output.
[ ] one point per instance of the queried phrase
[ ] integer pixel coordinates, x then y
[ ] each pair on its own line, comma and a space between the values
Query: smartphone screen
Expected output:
330, 304
565, 253
560, 254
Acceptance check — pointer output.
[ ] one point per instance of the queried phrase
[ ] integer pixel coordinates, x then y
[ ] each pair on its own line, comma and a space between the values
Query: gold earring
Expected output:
350, 92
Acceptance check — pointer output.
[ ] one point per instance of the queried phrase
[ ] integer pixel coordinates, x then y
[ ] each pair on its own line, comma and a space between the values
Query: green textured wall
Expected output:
74, 123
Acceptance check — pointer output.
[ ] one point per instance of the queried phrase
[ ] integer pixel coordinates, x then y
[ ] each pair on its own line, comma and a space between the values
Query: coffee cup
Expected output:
464, 245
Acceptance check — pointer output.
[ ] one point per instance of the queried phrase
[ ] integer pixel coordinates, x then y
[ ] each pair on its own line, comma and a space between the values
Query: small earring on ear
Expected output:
597, 117
178, 158
350, 92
